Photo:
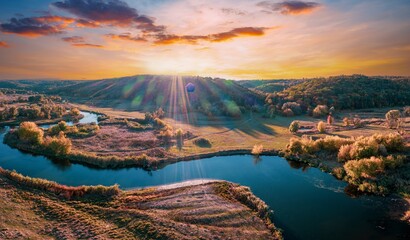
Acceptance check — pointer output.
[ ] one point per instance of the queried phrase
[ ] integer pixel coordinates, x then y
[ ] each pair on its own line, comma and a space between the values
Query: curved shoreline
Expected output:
115, 162
226, 196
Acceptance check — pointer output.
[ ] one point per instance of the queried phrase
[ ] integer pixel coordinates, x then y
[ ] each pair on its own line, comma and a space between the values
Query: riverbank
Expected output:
149, 213
116, 162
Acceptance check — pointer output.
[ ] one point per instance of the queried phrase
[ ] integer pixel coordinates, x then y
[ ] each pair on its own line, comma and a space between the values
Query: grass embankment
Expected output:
61, 190
53, 143
37, 209
377, 164
119, 145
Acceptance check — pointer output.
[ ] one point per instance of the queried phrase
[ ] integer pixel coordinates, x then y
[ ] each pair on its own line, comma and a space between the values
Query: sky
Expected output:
233, 39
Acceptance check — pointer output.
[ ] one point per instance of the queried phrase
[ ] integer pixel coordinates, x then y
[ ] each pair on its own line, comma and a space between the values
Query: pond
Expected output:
307, 203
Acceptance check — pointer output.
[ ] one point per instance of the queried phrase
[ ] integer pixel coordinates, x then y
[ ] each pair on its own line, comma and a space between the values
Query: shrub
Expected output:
56, 129
87, 128
58, 146
371, 187
339, 172
308, 145
158, 123
333, 143
74, 112
393, 142
392, 118
288, 112
321, 127
29, 132
294, 126
357, 122
346, 122
377, 144
392, 162
363, 149
166, 134
368, 168
295, 146
344, 153
320, 111
202, 142
294, 106
257, 149
364, 168
179, 134
62, 125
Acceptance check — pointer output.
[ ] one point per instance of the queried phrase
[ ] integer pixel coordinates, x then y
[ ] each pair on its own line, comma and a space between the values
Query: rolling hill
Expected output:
211, 96
268, 86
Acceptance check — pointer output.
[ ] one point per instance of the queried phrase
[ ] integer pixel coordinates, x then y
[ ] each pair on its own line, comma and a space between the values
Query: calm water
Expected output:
88, 118
307, 203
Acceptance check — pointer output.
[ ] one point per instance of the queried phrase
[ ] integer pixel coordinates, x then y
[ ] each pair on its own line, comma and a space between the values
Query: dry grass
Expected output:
60, 190
189, 212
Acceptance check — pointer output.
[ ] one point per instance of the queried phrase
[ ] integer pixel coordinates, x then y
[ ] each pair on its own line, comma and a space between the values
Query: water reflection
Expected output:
256, 159
298, 165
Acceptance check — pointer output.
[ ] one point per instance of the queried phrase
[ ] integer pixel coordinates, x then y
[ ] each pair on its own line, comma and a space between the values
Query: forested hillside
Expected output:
344, 92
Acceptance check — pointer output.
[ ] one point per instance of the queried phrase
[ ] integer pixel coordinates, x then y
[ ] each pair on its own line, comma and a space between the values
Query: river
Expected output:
307, 203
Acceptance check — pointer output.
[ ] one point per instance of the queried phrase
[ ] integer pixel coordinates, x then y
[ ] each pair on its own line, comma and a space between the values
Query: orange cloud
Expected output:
238, 32
3, 44
87, 45
217, 37
85, 23
64, 21
126, 36
73, 39
44, 25
78, 41
36, 26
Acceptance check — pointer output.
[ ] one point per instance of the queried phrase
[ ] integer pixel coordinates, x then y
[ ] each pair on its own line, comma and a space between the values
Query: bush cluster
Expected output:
294, 127
294, 107
306, 145
365, 173
30, 133
79, 130
359, 147
375, 145
32, 112
202, 142
58, 146
366, 158
320, 111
